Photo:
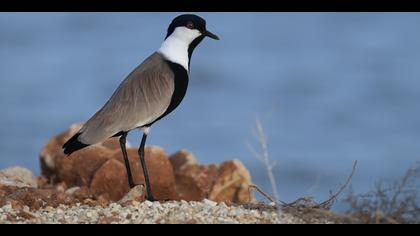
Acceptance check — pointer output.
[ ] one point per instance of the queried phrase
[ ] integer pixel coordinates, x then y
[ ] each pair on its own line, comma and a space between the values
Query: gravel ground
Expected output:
206, 212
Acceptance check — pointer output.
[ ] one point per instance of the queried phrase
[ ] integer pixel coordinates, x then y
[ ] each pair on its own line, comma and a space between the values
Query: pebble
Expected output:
72, 191
204, 212
209, 202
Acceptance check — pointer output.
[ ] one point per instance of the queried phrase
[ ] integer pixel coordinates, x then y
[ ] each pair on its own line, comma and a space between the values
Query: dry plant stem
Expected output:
396, 202
403, 184
333, 198
264, 157
266, 195
324, 205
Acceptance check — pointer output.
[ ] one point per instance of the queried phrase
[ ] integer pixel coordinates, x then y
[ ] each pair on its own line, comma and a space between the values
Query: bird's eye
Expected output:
190, 25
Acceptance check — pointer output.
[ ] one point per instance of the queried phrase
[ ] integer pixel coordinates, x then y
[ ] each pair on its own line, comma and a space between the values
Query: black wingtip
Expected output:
73, 145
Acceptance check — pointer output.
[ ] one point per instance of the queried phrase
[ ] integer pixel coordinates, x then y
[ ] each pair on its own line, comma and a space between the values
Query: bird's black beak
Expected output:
211, 35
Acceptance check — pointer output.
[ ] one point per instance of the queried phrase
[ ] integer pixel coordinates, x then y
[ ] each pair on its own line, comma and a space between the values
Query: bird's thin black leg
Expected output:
143, 164
127, 162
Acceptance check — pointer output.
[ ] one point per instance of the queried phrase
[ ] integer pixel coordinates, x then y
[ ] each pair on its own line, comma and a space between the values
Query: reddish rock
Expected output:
101, 167
79, 168
232, 184
32, 197
228, 182
81, 193
111, 179
48, 156
194, 182
112, 143
182, 158
42, 181
160, 170
52, 153
134, 160
99, 171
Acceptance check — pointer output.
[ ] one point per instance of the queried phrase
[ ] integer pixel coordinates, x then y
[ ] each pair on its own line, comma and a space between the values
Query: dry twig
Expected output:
329, 202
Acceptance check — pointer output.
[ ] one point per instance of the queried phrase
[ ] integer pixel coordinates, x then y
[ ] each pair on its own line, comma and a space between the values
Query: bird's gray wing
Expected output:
140, 99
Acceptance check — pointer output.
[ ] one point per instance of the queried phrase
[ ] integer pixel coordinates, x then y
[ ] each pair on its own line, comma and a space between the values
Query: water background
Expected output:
330, 88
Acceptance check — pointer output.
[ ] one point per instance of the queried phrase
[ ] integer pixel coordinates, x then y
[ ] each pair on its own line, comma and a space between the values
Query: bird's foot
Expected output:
150, 198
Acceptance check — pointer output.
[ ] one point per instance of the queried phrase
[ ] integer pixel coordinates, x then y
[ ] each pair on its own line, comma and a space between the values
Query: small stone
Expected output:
148, 203
19, 177
156, 204
72, 191
222, 205
135, 194
209, 202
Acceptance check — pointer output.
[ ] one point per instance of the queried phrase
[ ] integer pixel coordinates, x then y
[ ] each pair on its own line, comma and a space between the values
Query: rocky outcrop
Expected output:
232, 183
100, 171
18, 177
101, 167
193, 181
228, 182
33, 198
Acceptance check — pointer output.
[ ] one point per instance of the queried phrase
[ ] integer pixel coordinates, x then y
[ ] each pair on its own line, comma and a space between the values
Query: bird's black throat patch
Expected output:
181, 85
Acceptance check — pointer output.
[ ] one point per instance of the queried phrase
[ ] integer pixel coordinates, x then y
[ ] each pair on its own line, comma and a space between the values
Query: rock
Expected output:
61, 187
19, 177
135, 194
111, 179
194, 182
79, 168
32, 197
228, 182
101, 167
160, 170
81, 193
99, 170
52, 151
42, 182
182, 158
209, 202
232, 184
72, 191
161, 173
113, 143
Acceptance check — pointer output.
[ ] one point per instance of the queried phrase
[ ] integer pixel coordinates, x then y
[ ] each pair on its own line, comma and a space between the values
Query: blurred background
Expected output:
329, 88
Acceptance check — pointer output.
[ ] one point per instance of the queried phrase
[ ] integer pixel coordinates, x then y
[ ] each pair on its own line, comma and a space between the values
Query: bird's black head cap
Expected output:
188, 20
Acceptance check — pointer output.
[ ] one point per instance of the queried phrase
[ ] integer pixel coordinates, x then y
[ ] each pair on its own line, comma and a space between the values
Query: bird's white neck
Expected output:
175, 47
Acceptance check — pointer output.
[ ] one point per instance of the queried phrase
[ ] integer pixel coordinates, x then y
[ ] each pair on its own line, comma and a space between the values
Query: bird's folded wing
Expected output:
139, 100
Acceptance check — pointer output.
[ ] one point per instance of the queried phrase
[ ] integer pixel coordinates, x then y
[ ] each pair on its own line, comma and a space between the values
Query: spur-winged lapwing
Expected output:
154, 89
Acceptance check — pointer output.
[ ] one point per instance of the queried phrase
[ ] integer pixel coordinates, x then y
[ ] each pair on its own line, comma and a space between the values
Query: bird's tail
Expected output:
73, 144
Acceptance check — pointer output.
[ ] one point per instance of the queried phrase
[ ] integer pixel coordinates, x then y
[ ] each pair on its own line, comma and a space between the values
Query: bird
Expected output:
150, 92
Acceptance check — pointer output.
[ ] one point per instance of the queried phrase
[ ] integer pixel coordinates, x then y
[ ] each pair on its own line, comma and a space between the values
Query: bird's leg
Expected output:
143, 165
127, 162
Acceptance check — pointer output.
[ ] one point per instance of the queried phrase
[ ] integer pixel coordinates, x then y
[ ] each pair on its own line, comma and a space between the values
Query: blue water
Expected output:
329, 89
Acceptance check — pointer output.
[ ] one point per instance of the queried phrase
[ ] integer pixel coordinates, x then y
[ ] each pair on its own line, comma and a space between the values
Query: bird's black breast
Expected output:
181, 85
